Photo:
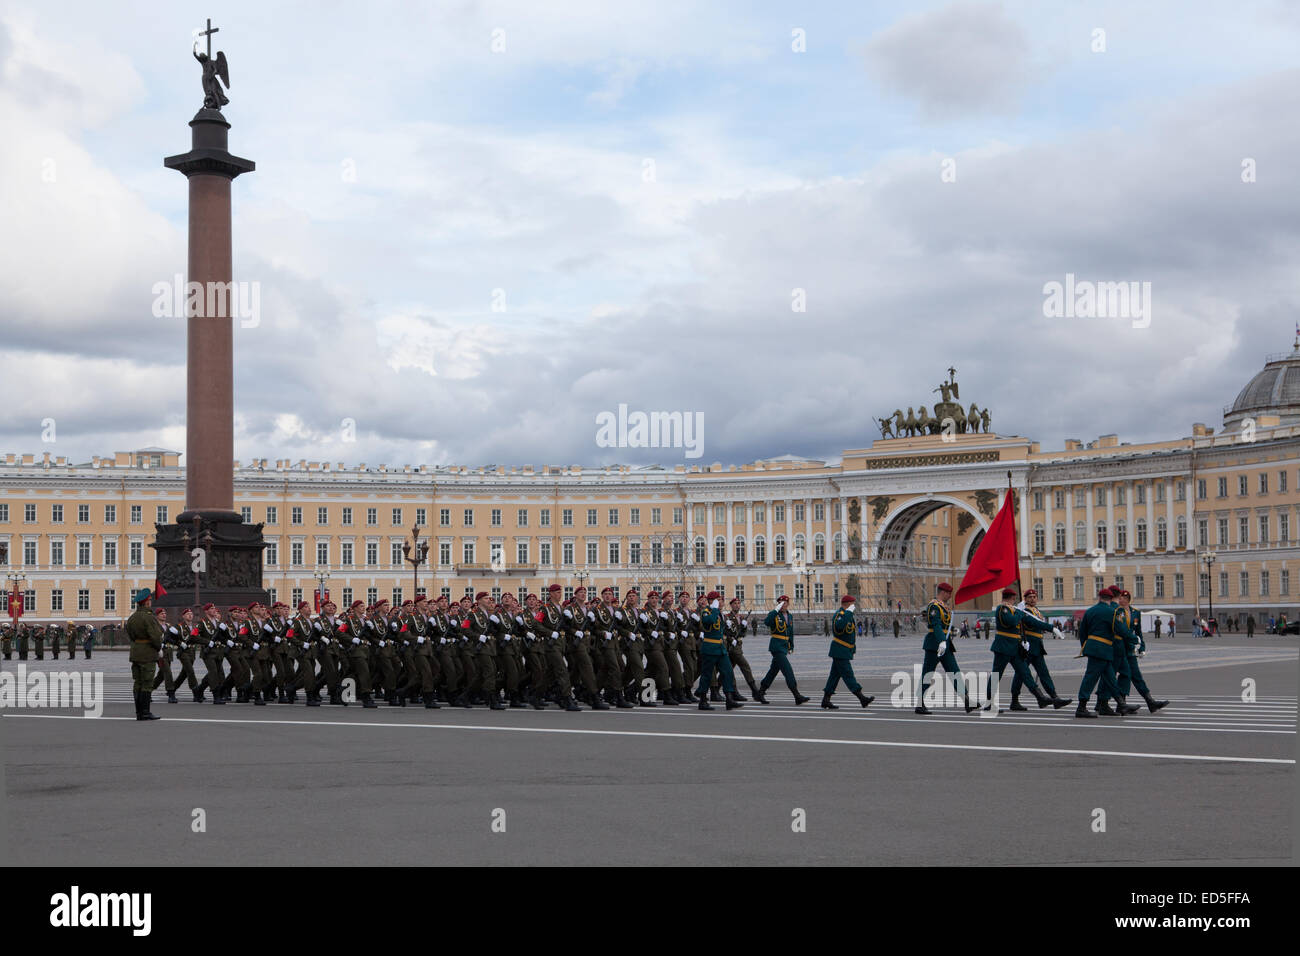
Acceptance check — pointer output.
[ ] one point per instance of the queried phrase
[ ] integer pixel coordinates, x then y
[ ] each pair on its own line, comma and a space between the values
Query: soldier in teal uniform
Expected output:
713, 654
146, 637
1007, 649
781, 626
1130, 675
938, 648
1098, 632
844, 638
1032, 642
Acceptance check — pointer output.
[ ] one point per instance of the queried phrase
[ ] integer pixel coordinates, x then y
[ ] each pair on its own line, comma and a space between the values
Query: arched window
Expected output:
819, 547
739, 550
719, 550
800, 547
760, 550
1141, 528
1080, 536
1058, 533
1162, 533
1121, 535
837, 547
1040, 538
701, 552
1103, 537
778, 549
1180, 531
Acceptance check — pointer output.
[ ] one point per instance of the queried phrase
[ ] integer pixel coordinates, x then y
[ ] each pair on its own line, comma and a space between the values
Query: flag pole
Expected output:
1011, 494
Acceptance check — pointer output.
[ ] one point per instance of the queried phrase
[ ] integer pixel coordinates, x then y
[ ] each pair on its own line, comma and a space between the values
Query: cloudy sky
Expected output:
476, 226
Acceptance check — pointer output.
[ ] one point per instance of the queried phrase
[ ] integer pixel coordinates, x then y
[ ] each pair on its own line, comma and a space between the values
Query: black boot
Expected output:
494, 702
1016, 705
313, 699
971, 706
135, 695
1103, 709
571, 705
704, 702
217, 696
1153, 705
517, 702
734, 700
621, 702
171, 697
282, 698
1043, 700
798, 697
1083, 711
1124, 708
430, 702
758, 691
863, 699
368, 701
715, 695
668, 699
826, 703
145, 712
259, 698
537, 702
598, 702
1059, 702
921, 709
646, 702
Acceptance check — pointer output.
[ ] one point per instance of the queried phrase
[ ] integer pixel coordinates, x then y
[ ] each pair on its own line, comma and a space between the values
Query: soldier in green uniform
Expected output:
677, 687
24, 637
534, 652
146, 637
55, 633
171, 644
213, 639
186, 654
688, 639
442, 633
352, 631
331, 653
420, 629
938, 648
713, 654
280, 666
1100, 627
483, 637
1130, 675
6, 641
577, 641
307, 637
781, 628
509, 635
605, 632
844, 644
467, 651
38, 640
1007, 649
1032, 642
551, 631
655, 640
737, 623
633, 626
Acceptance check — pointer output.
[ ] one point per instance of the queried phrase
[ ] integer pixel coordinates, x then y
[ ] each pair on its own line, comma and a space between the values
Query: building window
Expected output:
496, 517
1244, 584
83, 599
444, 553
546, 518
1243, 532
1103, 537
372, 517
295, 514
1141, 494
1242, 487
1162, 534
566, 518
700, 551
1058, 589
83, 514
56, 514
83, 554
322, 516
819, 547
1058, 535
1284, 582
679, 515
135, 553
345, 554
295, 554
521, 552
110, 554
444, 517
778, 549
162, 514
613, 517
1284, 528
468, 516
634, 516
798, 511
593, 553
1202, 533
323, 553
1160, 587
614, 558
1078, 588
397, 519
372, 595
591, 517
272, 555
110, 600
566, 553
347, 599
1178, 586
1263, 529
56, 600
1139, 586
1223, 584
1281, 481
1101, 496
1223, 487
246, 513
1081, 497
521, 518
395, 554
1058, 500
719, 550
1263, 584
421, 517
272, 514
467, 553
1121, 535
1180, 531
1080, 536
1200, 489
738, 549
372, 555
1038, 501
760, 550
1223, 532
4, 513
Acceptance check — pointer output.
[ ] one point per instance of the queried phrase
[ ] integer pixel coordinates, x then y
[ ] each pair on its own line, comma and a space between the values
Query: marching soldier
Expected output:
688, 639
482, 635
307, 635
331, 654
146, 637
605, 637
1007, 649
1131, 675
630, 621
677, 686
1097, 635
1032, 642
738, 624
383, 650
713, 654
508, 642
421, 628
844, 638
443, 633
938, 648
353, 631
213, 639
171, 644
534, 652
655, 639
781, 627
403, 627
551, 625
186, 647
283, 653
578, 644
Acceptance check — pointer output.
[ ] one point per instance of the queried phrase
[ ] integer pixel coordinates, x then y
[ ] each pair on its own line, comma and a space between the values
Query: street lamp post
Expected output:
322, 576
1208, 558
416, 552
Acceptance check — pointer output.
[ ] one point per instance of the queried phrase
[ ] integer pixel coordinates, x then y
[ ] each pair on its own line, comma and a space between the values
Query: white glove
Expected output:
316, 624
656, 634
392, 625
356, 640
619, 615
230, 643
577, 633
608, 635
694, 617
267, 628
1025, 645
506, 636
494, 619
714, 605
532, 636
943, 648
211, 644
1056, 633
184, 645
419, 640
306, 645
555, 635
672, 635
591, 616
519, 619
642, 618
482, 638
222, 625
257, 646
663, 615
733, 642
383, 643
568, 613
277, 638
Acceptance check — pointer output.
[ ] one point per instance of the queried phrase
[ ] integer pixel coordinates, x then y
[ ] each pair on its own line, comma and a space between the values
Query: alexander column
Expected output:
230, 569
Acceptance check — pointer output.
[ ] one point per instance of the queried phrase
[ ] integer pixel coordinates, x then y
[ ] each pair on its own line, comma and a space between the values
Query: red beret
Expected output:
783, 597
580, 587
380, 603
255, 605
1009, 592
847, 599
607, 590
235, 607
683, 594
481, 595
408, 603
356, 604
652, 594
1105, 594
304, 606
944, 586
553, 588
1031, 591
160, 610
735, 600
1121, 593
713, 596
209, 607
420, 597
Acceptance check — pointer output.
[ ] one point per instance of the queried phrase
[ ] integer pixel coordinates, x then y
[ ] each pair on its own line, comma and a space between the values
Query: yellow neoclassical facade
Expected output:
1182, 523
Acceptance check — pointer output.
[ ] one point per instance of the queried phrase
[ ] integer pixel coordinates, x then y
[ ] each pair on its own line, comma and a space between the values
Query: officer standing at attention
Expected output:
844, 637
1131, 674
1007, 649
779, 645
938, 647
55, 633
1032, 642
1097, 634
713, 654
146, 636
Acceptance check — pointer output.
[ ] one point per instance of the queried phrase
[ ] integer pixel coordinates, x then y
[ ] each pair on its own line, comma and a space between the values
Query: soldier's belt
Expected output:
711, 640
1094, 637
1001, 633
845, 643
781, 637
140, 640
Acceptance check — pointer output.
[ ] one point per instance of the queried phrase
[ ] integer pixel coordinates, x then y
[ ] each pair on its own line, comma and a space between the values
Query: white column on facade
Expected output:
1128, 495
708, 533
1110, 519
1069, 519
1171, 540
830, 538
727, 548
1049, 539
1024, 520
864, 545
749, 531
690, 534
1089, 541
767, 509
789, 529
1151, 517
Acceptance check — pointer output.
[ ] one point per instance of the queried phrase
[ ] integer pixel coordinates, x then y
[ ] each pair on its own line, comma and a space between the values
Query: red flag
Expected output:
995, 564
158, 589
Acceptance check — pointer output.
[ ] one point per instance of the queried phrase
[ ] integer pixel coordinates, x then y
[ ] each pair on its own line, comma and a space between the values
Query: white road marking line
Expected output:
747, 738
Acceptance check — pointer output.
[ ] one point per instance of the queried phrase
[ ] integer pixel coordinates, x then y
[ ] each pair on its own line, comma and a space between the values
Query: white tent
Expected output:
1149, 621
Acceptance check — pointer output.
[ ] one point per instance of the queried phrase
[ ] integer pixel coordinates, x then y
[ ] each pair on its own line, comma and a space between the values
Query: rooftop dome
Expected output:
1275, 390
